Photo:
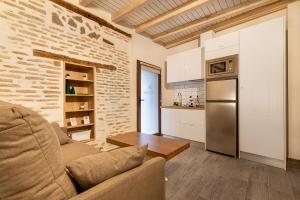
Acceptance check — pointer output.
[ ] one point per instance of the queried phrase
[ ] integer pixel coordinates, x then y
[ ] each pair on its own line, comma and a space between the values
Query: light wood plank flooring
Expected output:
197, 174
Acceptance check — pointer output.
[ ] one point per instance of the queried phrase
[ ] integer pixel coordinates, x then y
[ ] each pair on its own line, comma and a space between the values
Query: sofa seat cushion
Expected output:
91, 170
31, 164
75, 150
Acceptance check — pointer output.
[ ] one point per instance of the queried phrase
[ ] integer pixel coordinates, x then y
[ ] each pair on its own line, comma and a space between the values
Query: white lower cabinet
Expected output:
183, 123
169, 122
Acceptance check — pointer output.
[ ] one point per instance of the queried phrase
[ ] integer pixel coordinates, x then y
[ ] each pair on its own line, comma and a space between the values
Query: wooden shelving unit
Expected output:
79, 95
80, 126
84, 95
72, 111
71, 79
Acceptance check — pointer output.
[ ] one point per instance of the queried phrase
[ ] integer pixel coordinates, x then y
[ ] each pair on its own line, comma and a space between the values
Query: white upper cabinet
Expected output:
262, 89
222, 46
185, 66
175, 66
194, 64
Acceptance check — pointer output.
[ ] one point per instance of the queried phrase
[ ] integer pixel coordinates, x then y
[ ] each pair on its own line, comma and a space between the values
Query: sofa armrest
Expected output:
146, 182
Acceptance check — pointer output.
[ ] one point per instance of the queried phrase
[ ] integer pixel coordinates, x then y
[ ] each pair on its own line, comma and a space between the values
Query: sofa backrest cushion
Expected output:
62, 136
31, 165
93, 169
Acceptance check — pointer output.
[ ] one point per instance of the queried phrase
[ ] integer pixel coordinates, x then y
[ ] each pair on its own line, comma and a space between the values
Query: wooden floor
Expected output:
197, 174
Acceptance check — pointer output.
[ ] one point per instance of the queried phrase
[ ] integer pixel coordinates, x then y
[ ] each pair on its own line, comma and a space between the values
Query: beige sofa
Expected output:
145, 182
32, 164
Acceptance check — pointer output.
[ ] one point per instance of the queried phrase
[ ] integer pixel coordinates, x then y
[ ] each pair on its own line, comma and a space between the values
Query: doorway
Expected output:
148, 98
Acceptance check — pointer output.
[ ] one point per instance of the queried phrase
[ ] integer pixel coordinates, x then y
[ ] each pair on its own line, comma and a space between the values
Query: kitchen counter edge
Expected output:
184, 107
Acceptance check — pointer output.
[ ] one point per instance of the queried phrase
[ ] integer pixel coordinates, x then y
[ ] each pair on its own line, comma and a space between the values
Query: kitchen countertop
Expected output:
184, 107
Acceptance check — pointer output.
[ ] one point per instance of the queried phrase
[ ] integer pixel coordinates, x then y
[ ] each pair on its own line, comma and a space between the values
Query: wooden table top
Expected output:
157, 145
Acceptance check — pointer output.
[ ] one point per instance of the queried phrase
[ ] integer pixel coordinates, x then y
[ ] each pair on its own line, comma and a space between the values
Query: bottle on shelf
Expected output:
72, 89
68, 88
197, 102
179, 99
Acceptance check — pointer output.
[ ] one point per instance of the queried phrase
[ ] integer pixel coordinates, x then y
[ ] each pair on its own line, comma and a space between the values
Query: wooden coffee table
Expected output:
157, 145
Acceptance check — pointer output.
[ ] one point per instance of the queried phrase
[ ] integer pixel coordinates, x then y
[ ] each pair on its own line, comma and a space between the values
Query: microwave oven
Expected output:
222, 67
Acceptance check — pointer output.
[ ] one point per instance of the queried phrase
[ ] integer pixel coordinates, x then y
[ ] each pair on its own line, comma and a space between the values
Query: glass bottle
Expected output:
68, 89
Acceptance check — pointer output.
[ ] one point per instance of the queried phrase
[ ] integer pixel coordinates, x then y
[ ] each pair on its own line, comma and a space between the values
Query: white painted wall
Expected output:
183, 47
145, 50
294, 79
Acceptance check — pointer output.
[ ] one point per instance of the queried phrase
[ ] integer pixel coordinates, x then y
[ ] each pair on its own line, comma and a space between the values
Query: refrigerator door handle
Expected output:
221, 101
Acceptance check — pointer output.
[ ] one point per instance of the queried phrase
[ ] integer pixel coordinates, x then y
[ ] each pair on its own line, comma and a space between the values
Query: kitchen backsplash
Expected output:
187, 89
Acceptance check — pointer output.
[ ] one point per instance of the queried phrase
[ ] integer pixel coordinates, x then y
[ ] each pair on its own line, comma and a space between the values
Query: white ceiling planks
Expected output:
200, 12
151, 10
110, 6
187, 17
168, 22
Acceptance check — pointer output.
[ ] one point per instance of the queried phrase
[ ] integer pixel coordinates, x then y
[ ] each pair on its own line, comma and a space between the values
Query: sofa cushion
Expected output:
31, 164
62, 136
91, 170
75, 150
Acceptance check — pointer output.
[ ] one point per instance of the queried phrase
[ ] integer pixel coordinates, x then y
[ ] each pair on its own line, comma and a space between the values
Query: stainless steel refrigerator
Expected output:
222, 116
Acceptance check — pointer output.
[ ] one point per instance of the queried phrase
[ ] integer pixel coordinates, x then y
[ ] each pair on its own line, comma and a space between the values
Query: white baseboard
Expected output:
262, 159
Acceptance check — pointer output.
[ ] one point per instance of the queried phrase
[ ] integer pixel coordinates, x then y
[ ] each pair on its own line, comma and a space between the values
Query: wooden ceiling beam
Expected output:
244, 7
172, 13
85, 2
234, 21
132, 6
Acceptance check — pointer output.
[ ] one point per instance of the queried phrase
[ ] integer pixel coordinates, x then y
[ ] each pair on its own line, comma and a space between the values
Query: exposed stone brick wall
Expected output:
38, 82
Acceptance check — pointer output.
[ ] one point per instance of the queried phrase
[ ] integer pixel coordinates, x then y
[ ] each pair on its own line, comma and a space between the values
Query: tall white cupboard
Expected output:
262, 116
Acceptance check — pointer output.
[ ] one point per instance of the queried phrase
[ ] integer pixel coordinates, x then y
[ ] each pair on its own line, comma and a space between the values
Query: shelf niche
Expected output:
82, 103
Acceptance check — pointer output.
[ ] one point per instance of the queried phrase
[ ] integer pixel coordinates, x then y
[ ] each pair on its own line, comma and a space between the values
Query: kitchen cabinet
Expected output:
175, 68
185, 66
262, 89
170, 122
184, 123
222, 46
193, 64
